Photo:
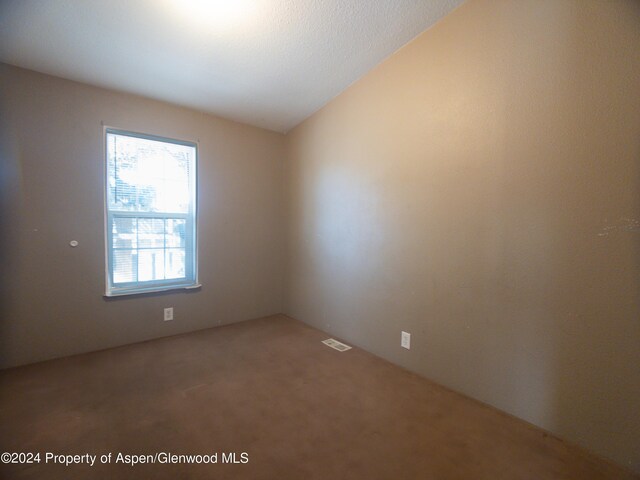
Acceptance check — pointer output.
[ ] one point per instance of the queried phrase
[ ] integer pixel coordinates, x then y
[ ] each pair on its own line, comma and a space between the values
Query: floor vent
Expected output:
341, 347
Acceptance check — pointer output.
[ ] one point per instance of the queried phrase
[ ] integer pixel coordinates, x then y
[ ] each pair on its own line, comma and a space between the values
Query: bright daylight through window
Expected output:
150, 213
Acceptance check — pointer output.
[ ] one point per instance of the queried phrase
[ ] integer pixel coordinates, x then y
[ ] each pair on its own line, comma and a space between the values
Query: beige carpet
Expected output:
270, 389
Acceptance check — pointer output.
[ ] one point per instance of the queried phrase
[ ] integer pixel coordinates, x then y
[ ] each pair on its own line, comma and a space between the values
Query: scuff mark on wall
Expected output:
622, 225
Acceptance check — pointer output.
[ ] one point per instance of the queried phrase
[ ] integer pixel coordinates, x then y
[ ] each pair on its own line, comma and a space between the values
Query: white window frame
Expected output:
191, 255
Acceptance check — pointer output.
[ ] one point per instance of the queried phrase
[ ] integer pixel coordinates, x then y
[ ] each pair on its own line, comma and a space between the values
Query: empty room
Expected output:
312, 239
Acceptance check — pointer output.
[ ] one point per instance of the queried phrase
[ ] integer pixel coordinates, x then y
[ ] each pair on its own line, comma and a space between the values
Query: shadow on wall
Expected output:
597, 389
569, 210
10, 182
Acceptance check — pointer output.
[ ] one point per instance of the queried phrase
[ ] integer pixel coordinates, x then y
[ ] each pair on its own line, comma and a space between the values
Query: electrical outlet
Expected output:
405, 340
168, 314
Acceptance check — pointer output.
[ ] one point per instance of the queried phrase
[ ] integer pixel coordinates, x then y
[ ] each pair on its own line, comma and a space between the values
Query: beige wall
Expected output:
52, 192
481, 190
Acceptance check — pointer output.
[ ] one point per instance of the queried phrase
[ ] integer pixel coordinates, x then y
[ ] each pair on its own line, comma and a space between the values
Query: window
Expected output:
150, 213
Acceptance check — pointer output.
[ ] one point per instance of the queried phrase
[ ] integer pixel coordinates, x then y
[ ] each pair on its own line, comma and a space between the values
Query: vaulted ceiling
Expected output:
269, 63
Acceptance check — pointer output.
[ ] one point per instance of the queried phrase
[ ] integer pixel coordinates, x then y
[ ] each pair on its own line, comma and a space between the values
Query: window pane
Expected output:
151, 264
175, 232
124, 266
150, 232
148, 175
124, 233
175, 263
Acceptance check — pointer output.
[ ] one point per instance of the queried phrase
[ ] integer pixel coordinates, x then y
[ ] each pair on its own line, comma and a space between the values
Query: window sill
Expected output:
128, 293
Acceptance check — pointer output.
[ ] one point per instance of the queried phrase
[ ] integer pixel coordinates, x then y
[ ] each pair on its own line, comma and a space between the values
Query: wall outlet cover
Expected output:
405, 340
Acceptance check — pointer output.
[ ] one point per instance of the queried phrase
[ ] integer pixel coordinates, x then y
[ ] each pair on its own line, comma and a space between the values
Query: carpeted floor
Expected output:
271, 390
